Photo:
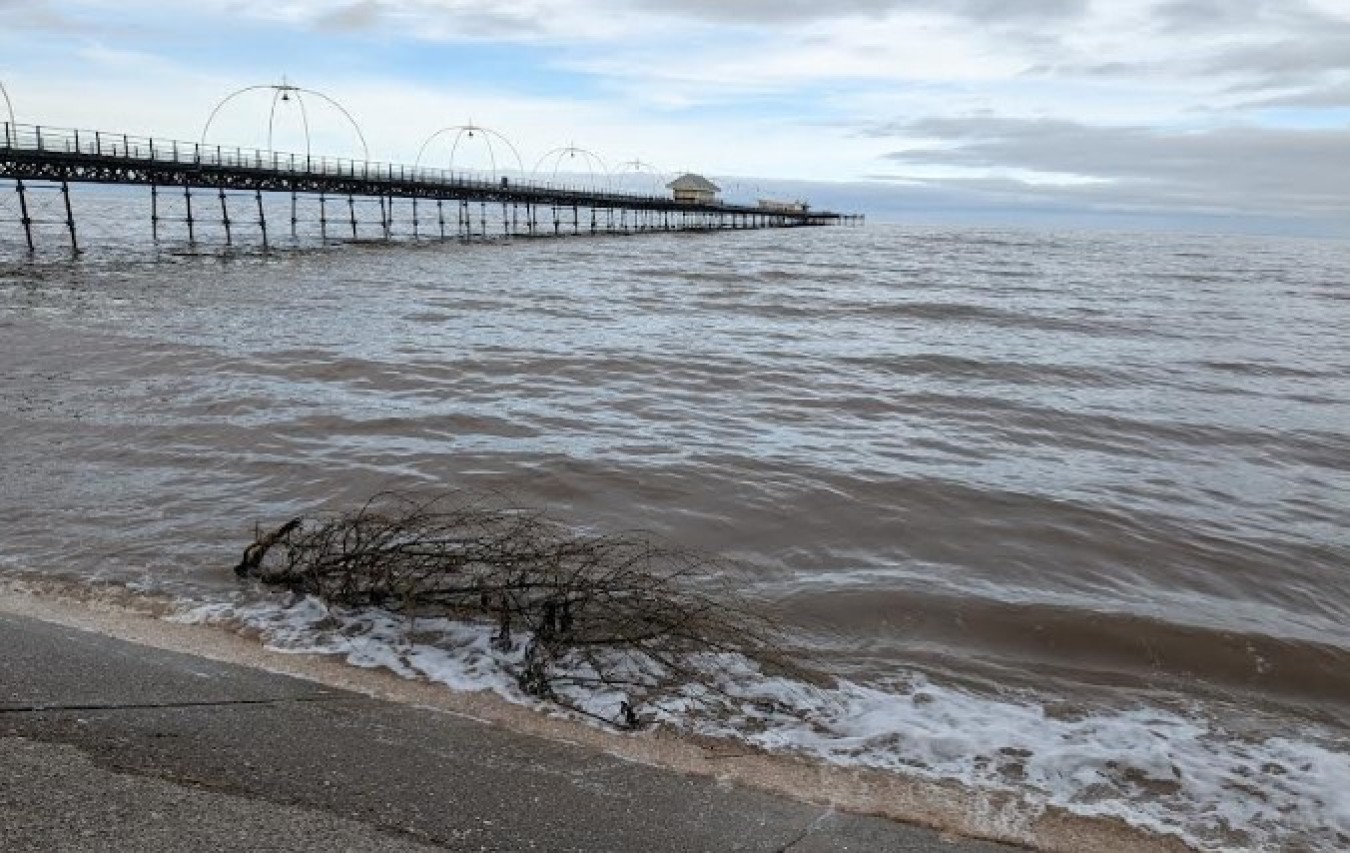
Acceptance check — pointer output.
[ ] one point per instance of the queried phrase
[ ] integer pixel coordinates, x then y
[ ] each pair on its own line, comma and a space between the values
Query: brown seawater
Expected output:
1067, 511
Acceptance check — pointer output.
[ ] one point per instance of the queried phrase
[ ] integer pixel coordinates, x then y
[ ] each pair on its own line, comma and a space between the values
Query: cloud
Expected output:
1262, 44
1334, 96
443, 15
522, 21
1192, 17
1231, 48
360, 16
35, 15
1235, 169
769, 12
1282, 64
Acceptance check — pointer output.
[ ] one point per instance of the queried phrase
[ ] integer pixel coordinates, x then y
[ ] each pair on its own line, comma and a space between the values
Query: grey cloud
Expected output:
466, 20
1252, 46
1201, 17
1334, 96
361, 15
1239, 170
1285, 43
1285, 63
35, 15
993, 12
499, 24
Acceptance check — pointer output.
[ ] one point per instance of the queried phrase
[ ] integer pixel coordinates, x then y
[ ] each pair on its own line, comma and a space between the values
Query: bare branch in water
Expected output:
620, 613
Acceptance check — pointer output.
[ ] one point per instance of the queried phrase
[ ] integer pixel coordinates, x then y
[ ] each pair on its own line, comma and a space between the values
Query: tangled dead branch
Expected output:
589, 616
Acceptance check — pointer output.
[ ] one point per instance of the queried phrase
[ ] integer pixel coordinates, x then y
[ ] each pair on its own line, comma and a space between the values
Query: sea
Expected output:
1059, 513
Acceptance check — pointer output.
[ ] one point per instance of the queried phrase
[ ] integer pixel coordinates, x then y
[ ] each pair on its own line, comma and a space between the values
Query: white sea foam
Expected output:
1155, 768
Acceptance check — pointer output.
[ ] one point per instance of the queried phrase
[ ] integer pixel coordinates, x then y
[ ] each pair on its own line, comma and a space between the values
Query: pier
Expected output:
235, 190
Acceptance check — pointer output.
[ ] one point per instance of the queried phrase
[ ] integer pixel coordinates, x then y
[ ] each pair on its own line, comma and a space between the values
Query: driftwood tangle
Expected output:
589, 614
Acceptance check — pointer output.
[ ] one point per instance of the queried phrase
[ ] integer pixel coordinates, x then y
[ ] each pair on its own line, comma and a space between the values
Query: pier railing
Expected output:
144, 149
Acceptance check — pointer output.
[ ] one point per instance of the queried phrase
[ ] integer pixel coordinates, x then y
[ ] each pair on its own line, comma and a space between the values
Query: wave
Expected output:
1169, 771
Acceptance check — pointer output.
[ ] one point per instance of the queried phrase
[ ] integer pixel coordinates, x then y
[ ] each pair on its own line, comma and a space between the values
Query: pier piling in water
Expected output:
23, 214
262, 217
70, 217
187, 199
225, 218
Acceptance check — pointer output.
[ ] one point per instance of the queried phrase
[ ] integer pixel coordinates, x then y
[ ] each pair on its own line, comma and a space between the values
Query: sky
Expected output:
1202, 115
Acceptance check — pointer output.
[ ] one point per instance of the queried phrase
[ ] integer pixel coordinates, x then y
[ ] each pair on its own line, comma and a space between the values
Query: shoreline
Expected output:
948, 808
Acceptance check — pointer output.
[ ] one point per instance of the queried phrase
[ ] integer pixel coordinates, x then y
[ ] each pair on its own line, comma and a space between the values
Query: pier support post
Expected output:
225, 218
295, 216
440, 215
262, 216
23, 213
576, 220
187, 199
506, 223
323, 217
557, 223
154, 213
482, 219
416, 230
351, 210
70, 217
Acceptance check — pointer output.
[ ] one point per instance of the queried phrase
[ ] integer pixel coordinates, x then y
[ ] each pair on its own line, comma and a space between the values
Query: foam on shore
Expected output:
914, 750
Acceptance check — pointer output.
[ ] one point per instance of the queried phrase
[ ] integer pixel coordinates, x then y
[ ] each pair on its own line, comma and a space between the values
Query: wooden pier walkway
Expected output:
204, 184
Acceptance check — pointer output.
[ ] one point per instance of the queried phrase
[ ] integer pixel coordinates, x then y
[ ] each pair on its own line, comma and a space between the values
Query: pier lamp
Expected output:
285, 92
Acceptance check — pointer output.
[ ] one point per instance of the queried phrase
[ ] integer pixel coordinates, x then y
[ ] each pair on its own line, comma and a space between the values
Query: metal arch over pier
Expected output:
281, 93
9, 105
514, 209
463, 131
589, 160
